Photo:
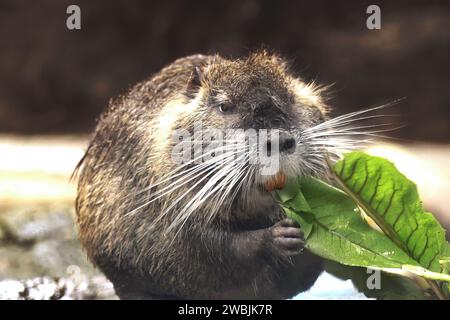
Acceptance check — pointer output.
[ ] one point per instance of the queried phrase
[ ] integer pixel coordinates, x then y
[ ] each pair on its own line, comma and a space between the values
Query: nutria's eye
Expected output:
226, 107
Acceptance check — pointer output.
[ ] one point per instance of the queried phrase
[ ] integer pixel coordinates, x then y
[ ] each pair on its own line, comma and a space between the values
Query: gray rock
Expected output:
41, 242
46, 288
17, 263
57, 256
28, 225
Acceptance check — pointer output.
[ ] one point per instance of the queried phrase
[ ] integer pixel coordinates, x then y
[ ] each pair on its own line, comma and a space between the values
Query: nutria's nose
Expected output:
287, 142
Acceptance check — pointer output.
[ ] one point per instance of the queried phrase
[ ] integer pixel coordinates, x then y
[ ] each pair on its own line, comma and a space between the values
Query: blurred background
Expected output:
54, 83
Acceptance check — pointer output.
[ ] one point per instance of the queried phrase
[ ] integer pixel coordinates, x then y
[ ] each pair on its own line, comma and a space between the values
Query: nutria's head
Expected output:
255, 95
235, 125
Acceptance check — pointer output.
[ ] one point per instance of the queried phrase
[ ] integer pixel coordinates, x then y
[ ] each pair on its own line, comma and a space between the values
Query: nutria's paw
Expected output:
287, 237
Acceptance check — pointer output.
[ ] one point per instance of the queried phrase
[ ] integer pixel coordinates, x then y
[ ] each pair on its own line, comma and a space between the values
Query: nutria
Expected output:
159, 231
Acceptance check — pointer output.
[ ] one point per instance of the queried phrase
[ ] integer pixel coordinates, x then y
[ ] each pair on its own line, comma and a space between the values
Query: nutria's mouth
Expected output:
276, 182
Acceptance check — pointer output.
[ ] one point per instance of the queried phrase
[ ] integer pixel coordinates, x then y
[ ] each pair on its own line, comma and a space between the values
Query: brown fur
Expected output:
232, 256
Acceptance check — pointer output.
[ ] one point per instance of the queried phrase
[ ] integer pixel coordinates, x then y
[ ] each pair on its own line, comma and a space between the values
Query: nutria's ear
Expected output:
197, 75
195, 80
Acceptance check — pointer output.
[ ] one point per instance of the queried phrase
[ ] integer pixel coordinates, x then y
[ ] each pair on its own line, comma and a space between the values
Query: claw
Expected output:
288, 237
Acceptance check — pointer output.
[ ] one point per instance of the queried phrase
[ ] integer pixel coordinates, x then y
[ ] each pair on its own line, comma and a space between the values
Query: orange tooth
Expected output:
277, 182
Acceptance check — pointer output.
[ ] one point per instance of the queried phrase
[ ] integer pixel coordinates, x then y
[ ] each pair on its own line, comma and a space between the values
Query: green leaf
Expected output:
334, 229
392, 287
392, 201
412, 240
